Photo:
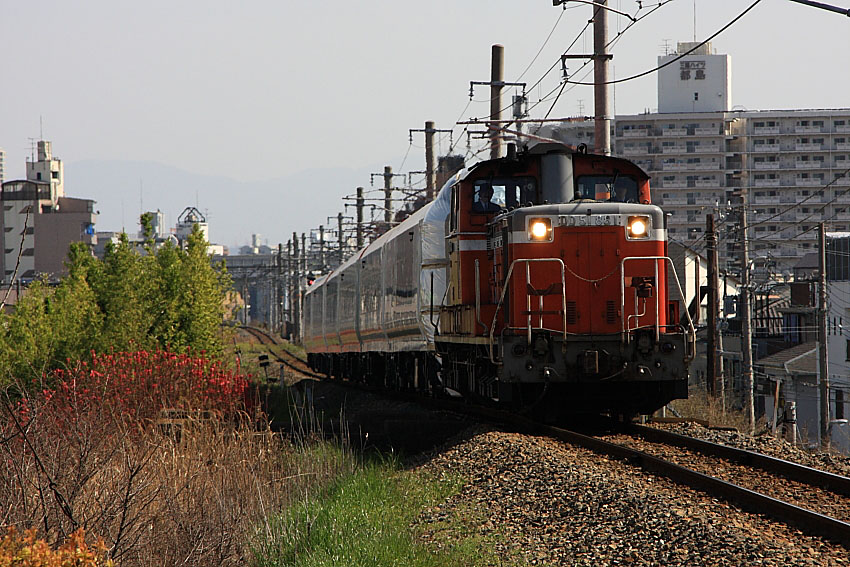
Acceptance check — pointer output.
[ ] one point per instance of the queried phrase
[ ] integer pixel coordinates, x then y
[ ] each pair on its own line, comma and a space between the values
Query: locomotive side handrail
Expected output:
527, 262
624, 329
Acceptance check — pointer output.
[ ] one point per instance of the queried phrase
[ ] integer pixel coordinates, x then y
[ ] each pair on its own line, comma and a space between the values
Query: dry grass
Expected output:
699, 405
161, 499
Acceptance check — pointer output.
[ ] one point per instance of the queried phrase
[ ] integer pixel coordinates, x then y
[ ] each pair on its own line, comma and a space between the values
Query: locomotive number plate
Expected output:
589, 220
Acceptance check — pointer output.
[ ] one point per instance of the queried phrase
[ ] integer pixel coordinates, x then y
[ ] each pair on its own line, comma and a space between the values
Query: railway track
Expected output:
816, 502
292, 361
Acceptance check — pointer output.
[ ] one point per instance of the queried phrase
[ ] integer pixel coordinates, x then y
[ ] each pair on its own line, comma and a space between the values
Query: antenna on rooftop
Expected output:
695, 21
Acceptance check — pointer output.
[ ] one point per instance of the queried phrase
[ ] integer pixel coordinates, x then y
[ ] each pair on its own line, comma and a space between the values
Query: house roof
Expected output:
800, 359
809, 260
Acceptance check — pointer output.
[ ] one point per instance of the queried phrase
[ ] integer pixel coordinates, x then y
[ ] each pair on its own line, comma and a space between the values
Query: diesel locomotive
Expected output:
536, 281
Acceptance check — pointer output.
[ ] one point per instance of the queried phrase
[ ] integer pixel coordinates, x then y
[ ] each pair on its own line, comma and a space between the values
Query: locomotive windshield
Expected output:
616, 187
492, 195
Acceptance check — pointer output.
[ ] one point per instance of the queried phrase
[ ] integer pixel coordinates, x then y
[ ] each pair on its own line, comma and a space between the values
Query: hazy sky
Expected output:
261, 89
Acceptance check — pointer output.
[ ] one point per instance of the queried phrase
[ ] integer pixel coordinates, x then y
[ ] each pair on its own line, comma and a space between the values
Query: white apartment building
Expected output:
790, 165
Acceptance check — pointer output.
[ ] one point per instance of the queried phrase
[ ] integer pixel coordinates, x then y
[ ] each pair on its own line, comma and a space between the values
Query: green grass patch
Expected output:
366, 519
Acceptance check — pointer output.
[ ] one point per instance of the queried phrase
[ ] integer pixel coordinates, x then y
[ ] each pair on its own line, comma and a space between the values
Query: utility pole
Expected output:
303, 255
746, 322
430, 167
388, 194
823, 351
289, 280
321, 248
497, 78
601, 98
713, 314
359, 227
296, 293
602, 125
279, 303
341, 238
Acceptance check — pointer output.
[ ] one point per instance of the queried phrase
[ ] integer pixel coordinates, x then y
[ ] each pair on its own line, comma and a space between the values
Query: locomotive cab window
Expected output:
493, 195
616, 188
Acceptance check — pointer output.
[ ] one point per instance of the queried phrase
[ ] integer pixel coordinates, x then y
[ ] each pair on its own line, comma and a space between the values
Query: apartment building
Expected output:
38, 222
791, 166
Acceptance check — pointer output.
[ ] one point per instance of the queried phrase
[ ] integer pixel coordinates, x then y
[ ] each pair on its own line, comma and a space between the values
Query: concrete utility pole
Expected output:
359, 218
601, 98
303, 255
602, 112
823, 338
388, 194
430, 167
296, 293
341, 238
746, 322
497, 78
289, 280
713, 312
280, 288
321, 248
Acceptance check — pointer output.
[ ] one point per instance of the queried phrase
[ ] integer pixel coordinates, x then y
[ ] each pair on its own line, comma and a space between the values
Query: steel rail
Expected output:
793, 471
810, 522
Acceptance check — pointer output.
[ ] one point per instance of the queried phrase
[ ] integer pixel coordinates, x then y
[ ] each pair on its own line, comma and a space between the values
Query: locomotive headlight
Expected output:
638, 227
540, 229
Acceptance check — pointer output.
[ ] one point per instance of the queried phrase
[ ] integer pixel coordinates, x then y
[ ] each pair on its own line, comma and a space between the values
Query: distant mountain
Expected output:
234, 209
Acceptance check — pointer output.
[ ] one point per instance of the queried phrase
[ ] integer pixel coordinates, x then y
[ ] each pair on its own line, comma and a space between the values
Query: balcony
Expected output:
787, 199
707, 132
677, 132
637, 133
843, 129
808, 129
674, 166
759, 148
764, 200
675, 201
766, 182
808, 147
808, 182
707, 166
710, 183
820, 164
786, 252
764, 130
766, 165
674, 149
637, 151
844, 146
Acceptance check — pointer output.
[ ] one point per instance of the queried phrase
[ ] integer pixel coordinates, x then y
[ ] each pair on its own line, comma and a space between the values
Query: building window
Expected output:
839, 404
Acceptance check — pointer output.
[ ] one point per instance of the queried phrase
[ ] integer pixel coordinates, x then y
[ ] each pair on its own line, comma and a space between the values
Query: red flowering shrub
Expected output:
135, 387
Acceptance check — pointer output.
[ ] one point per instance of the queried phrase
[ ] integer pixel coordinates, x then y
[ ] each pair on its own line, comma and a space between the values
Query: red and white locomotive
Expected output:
537, 280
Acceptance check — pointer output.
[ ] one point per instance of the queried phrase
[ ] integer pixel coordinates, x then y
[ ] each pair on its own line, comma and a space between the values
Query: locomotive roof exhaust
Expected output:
556, 177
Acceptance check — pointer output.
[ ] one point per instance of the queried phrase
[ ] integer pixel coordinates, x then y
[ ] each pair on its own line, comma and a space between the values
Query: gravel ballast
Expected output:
541, 502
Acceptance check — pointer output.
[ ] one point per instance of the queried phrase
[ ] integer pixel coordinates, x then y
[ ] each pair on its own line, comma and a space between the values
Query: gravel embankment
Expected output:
767, 444
774, 485
538, 501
